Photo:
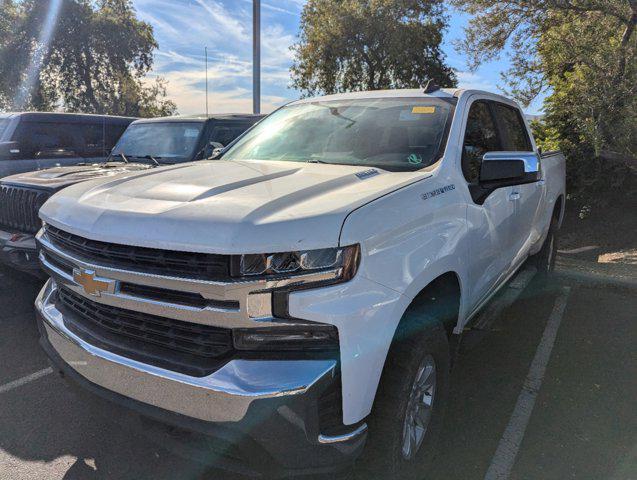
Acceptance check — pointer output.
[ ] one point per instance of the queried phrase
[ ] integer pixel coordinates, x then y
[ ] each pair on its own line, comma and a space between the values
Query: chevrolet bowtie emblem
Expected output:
93, 285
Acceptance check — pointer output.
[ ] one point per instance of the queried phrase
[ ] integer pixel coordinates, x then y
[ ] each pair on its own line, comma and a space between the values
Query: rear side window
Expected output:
46, 139
92, 140
225, 133
514, 134
481, 136
4, 124
113, 133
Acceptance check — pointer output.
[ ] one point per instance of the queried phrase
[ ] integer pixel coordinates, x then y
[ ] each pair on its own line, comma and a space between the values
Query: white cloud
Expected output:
184, 28
222, 19
470, 80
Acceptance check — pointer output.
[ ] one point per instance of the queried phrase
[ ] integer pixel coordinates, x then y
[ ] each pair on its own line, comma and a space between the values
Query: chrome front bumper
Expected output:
223, 396
267, 409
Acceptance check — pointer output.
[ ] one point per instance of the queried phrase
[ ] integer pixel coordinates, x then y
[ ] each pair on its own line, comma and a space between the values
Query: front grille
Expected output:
185, 347
200, 266
19, 208
187, 299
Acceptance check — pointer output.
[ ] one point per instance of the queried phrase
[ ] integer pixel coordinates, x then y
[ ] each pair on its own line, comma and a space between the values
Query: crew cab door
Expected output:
489, 218
529, 196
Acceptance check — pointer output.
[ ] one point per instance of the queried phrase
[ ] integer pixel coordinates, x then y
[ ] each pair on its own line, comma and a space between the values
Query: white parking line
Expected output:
24, 380
504, 458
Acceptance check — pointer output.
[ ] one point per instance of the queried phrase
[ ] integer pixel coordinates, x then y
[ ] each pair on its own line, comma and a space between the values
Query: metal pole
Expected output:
206, 52
256, 56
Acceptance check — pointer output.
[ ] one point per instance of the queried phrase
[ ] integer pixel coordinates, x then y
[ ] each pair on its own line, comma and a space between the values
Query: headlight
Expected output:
344, 260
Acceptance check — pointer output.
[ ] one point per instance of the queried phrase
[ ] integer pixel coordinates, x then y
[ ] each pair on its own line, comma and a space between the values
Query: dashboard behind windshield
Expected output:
395, 134
167, 142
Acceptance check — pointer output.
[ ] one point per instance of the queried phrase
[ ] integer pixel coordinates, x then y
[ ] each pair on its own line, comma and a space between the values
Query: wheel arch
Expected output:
443, 294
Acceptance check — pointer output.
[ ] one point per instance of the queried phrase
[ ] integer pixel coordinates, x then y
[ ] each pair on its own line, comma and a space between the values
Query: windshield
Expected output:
168, 142
396, 134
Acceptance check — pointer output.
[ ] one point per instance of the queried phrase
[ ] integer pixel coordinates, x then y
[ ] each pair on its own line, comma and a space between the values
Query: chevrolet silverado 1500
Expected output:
296, 299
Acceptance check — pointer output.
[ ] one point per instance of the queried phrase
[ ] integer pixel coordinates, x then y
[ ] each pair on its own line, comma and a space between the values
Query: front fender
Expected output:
412, 238
408, 239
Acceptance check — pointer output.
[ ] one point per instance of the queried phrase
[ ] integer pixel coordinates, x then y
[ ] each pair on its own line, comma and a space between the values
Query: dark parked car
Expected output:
145, 144
34, 141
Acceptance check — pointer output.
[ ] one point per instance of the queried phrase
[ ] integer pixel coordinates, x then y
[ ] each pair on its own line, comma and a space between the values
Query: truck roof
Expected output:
200, 118
65, 117
442, 93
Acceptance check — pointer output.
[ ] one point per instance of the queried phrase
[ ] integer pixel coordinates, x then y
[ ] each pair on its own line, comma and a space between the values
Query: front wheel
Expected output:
408, 410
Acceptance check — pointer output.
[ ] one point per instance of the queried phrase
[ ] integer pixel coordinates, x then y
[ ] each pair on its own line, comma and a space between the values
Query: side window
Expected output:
515, 137
91, 140
113, 132
226, 133
46, 139
480, 137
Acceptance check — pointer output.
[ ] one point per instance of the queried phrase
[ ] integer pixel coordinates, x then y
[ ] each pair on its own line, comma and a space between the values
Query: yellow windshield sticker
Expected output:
423, 110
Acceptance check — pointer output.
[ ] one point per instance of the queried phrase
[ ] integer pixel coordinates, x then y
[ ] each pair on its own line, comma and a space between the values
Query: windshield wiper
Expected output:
148, 157
316, 160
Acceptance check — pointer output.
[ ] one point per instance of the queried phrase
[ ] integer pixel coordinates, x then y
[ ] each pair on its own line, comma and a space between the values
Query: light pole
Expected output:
256, 56
206, 54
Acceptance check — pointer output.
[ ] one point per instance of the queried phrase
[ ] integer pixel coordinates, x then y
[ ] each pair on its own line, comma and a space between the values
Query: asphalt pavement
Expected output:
547, 390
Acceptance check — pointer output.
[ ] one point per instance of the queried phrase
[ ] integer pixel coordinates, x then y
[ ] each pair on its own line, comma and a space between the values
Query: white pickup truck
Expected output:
296, 299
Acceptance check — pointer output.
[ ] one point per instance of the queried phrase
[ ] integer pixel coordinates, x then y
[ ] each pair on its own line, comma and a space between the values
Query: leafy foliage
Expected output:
96, 60
348, 45
583, 54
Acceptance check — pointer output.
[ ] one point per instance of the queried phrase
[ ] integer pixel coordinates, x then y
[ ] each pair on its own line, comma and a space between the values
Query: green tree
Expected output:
582, 53
348, 45
95, 61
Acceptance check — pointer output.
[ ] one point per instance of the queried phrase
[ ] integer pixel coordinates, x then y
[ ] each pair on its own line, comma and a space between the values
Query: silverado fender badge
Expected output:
91, 284
367, 173
438, 191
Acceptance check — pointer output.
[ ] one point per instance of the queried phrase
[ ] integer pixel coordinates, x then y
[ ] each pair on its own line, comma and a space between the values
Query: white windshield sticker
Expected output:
191, 133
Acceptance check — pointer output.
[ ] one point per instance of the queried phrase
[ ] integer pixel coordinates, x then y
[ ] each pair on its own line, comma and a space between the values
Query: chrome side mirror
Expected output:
510, 168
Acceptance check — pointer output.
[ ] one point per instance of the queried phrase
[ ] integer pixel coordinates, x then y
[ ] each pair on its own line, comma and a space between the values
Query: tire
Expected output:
544, 260
420, 342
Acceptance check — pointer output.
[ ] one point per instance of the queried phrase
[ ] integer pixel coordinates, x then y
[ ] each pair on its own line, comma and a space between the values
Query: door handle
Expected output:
514, 196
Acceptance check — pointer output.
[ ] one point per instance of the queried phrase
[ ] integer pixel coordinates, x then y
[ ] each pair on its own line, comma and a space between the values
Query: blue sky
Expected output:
184, 27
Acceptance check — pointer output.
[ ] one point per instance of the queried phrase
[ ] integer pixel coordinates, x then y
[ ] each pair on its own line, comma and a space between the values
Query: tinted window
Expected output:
46, 139
91, 140
168, 142
4, 123
396, 134
113, 134
515, 136
480, 137
226, 133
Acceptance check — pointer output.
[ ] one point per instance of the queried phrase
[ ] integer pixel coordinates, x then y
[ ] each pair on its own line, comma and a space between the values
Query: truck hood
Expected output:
55, 179
224, 207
